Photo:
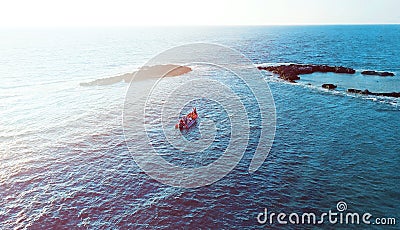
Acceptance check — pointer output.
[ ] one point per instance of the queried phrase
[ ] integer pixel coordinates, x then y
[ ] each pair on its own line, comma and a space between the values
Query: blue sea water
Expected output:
64, 162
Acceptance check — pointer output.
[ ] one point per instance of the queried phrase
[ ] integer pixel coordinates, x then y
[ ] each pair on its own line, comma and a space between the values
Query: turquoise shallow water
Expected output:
64, 161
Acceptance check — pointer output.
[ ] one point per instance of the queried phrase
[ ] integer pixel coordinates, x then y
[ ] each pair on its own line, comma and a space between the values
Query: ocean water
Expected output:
64, 163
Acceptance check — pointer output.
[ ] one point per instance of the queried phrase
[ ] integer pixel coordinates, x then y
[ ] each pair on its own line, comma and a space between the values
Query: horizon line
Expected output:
197, 25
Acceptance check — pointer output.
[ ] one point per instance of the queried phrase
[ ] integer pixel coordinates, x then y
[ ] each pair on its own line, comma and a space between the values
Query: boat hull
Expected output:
187, 126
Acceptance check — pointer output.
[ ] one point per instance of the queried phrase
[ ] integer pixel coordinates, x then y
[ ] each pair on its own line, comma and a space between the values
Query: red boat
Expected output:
188, 120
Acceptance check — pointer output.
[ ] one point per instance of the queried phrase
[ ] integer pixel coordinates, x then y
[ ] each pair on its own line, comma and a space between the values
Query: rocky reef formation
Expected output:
291, 72
367, 92
169, 70
376, 73
329, 86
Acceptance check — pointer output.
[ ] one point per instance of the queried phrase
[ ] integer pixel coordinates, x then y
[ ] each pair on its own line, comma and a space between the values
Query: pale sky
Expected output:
32, 13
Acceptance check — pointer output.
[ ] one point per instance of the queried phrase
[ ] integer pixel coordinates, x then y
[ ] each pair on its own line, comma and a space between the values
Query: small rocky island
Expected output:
291, 72
169, 70
329, 86
367, 92
376, 73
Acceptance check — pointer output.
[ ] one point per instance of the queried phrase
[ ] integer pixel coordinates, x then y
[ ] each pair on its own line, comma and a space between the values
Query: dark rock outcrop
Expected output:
392, 94
367, 92
329, 86
291, 72
376, 73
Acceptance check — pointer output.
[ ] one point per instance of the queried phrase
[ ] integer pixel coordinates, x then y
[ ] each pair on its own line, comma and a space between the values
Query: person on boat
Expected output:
194, 113
182, 123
